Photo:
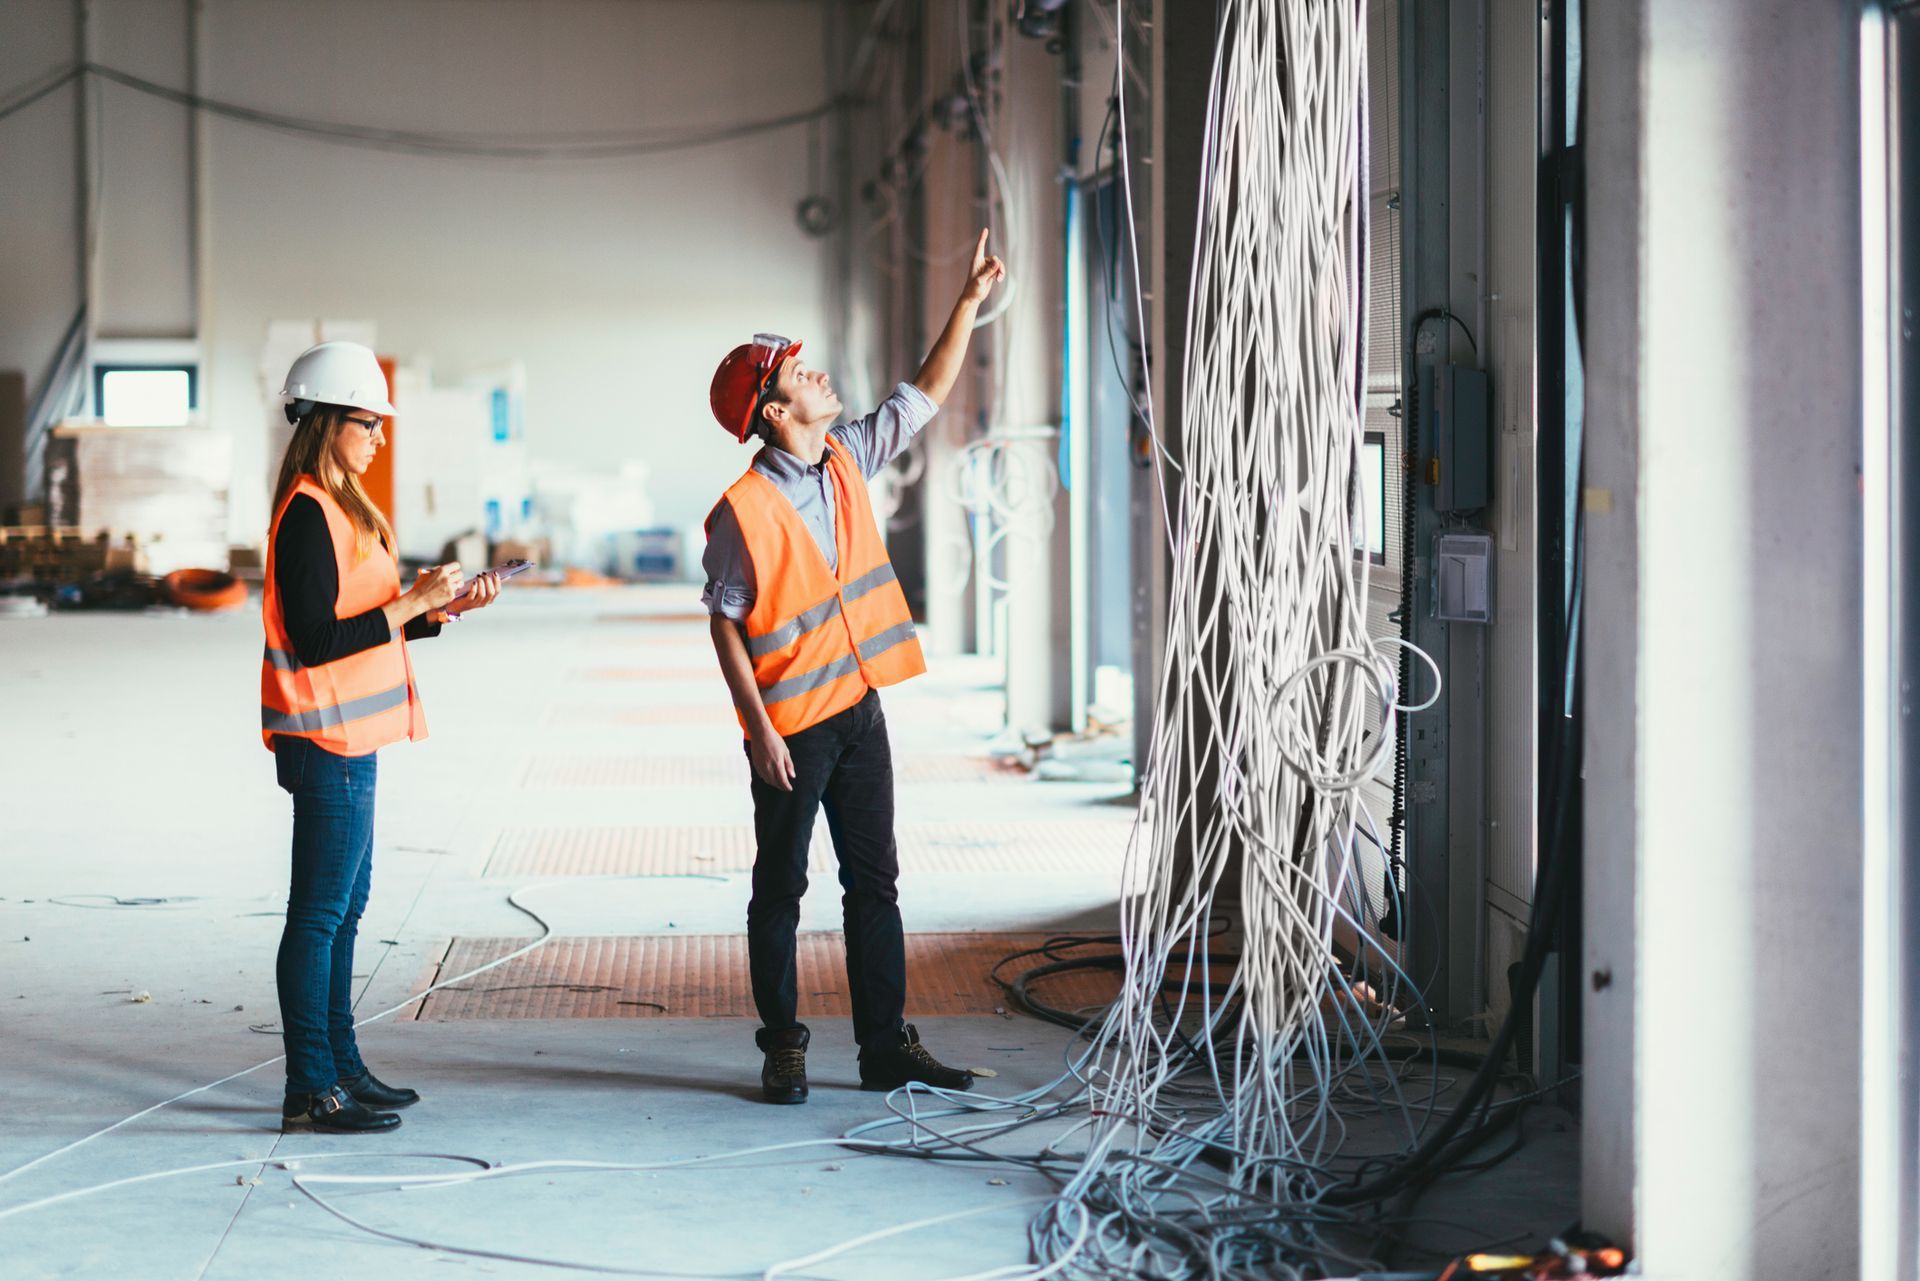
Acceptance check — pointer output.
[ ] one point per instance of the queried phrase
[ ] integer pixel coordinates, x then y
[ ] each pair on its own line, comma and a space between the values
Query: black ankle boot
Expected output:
333, 1111
889, 1067
375, 1093
783, 1078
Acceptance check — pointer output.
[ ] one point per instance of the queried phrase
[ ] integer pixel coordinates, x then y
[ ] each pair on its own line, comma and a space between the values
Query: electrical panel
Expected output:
1461, 444
1463, 578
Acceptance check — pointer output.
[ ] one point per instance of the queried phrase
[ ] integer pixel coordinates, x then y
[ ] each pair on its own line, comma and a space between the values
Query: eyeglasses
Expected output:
372, 425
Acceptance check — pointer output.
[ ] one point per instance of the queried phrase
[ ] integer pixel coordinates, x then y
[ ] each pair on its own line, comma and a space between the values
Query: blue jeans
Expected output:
332, 864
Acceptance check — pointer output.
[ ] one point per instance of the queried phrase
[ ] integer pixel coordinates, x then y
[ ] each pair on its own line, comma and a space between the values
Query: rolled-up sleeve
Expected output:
880, 437
730, 584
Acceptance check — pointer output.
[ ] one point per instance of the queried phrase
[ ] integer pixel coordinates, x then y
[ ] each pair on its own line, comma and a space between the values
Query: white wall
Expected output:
619, 284
143, 173
40, 287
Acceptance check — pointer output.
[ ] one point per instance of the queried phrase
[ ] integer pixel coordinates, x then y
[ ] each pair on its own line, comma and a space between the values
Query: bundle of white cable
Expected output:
1263, 734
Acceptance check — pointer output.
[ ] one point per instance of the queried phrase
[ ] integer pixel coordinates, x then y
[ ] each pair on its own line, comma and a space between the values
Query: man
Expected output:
809, 622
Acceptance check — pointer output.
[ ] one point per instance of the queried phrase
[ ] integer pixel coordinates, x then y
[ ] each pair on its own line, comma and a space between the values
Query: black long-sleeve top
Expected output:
308, 580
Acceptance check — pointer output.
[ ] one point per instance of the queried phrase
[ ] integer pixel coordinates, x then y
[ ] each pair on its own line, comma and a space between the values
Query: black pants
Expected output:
844, 765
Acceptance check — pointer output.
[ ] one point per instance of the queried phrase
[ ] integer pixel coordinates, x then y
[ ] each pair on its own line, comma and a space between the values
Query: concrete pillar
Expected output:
1026, 342
948, 203
1890, 270
948, 544
1037, 581
1724, 636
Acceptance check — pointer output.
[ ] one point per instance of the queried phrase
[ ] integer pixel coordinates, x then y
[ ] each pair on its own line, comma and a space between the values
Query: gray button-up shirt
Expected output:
874, 441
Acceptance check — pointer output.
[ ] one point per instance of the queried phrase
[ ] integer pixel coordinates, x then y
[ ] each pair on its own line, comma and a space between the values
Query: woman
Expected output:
336, 685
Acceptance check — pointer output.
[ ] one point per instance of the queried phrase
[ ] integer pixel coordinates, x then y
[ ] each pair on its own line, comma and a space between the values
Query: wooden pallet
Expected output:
64, 554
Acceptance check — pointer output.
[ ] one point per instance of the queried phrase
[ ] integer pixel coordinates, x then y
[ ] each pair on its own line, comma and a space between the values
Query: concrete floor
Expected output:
130, 767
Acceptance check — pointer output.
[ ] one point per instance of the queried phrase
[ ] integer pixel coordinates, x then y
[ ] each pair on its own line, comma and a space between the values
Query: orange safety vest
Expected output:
353, 705
820, 639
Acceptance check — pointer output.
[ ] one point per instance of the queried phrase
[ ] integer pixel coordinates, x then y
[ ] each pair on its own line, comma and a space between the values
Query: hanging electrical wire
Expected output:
578, 145
1214, 1135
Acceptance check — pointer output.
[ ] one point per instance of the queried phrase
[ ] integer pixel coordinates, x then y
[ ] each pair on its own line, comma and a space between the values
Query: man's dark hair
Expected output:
770, 396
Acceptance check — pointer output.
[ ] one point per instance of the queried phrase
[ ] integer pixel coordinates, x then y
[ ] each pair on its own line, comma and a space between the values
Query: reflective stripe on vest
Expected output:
898, 634
327, 717
818, 643
352, 705
287, 661
794, 628
794, 686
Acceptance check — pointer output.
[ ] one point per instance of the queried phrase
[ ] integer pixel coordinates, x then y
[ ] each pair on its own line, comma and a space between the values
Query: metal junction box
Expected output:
1463, 578
1460, 437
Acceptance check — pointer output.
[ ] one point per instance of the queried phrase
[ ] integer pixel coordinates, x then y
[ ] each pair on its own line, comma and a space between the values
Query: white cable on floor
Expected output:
487, 1171
513, 899
77, 1194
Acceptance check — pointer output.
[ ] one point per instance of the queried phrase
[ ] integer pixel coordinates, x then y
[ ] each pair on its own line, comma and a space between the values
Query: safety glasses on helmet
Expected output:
767, 360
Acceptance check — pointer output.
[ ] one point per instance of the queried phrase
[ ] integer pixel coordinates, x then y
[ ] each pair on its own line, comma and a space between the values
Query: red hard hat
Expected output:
742, 376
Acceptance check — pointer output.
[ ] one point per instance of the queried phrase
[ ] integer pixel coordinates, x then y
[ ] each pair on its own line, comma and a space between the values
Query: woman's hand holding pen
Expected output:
432, 591
436, 587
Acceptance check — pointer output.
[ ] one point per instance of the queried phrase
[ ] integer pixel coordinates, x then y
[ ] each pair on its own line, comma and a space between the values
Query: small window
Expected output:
1370, 522
145, 395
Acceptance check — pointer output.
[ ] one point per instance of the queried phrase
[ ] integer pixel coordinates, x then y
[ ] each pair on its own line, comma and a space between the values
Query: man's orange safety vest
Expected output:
819, 638
353, 705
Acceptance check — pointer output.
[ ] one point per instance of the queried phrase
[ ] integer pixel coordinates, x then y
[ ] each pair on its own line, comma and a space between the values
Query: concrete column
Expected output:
1612, 343
1026, 343
1037, 580
948, 207
1890, 270
1724, 636
948, 545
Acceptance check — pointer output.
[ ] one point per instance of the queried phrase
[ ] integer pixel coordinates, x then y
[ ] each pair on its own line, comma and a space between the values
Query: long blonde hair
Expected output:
310, 453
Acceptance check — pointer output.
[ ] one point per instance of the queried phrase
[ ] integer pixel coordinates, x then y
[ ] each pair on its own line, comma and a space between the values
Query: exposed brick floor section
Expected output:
603, 717
731, 771
705, 976
694, 616
1084, 848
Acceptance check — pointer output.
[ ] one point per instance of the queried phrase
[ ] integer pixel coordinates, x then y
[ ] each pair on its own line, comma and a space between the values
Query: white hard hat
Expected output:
337, 373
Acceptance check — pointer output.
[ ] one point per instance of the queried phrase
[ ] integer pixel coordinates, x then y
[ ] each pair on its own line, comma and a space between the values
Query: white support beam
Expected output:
1724, 641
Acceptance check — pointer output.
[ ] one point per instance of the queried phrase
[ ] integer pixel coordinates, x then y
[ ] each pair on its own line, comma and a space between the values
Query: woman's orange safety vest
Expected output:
353, 705
819, 639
